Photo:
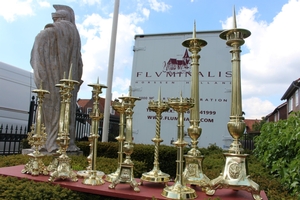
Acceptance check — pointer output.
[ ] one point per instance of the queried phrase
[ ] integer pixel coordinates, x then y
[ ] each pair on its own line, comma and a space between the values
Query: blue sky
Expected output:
270, 57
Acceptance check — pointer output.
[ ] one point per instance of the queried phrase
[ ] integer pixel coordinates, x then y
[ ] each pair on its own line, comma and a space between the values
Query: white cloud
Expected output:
159, 6
91, 2
44, 4
254, 107
146, 12
11, 9
96, 31
271, 58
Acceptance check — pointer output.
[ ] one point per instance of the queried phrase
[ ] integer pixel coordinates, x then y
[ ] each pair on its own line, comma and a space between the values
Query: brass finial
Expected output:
159, 94
70, 72
194, 32
234, 18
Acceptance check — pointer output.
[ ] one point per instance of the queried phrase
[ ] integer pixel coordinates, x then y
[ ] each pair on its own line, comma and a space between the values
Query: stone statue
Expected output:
55, 49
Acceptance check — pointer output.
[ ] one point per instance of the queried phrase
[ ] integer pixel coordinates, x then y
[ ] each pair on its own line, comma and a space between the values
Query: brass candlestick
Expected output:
179, 190
53, 165
120, 107
126, 171
235, 171
93, 176
156, 175
37, 138
63, 170
193, 172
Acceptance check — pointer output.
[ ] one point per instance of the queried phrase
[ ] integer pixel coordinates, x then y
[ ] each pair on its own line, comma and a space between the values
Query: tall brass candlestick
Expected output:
235, 171
193, 172
53, 165
126, 171
37, 138
94, 177
179, 190
63, 170
120, 107
156, 175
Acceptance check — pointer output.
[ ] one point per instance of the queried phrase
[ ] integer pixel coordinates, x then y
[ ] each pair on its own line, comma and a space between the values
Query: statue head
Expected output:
63, 13
60, 15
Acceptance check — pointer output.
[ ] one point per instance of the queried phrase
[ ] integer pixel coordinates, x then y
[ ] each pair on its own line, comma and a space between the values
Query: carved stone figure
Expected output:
55, 49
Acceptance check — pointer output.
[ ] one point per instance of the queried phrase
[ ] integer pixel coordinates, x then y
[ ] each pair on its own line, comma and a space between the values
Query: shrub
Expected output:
278, 147
142, 157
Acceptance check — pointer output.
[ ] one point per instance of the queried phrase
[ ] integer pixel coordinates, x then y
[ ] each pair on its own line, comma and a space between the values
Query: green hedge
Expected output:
144, 153
278, 147
143, 159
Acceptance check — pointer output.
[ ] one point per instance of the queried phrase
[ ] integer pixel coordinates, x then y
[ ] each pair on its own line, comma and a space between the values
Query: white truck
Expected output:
16, 87
160, 61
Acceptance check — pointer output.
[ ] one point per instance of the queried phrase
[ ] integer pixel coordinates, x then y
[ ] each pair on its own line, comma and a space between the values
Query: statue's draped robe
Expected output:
54, 49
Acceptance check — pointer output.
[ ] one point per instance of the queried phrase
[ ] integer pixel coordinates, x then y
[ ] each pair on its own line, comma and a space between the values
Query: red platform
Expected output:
148, 190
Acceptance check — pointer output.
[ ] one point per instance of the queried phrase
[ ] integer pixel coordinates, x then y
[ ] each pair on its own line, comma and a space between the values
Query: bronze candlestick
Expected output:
156, 175
53, 165
235, 171
37, 138
193, 172
120, 107
63, 170
179, 190
126, 171
93, 176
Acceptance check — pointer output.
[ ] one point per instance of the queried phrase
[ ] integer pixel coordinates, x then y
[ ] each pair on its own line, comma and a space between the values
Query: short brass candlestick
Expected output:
193, 172
180, 190
120, 107
156, 175
37, 138
63, 170
94, 177
235, 171
126, 171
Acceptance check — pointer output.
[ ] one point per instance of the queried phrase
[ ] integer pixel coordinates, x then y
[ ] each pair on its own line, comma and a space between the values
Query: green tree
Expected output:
258, 124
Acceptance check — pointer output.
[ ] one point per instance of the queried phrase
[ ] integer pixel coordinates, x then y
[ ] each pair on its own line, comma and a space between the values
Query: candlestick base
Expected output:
54, 163
86, 173
155, 176
179, 191
235, 176
110, 177
194, 175
93, 178
125, 176
35, 166
63, 170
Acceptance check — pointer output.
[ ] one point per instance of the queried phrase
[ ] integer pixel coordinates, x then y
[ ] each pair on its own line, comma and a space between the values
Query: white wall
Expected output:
15, 94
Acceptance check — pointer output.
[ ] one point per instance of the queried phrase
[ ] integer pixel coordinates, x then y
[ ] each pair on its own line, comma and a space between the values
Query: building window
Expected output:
297, 97
88, 110
291, 104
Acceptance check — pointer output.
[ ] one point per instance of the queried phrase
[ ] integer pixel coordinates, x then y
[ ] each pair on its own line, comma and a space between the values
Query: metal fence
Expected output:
10, 139
83, 127
247, 140
11, 136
